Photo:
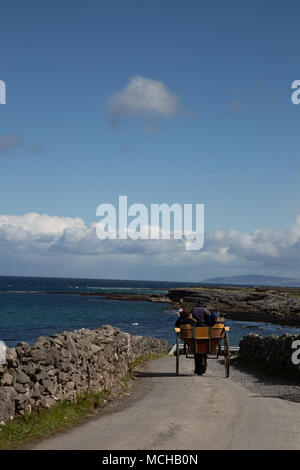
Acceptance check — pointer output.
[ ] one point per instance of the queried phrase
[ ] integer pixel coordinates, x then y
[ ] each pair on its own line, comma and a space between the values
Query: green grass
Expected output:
137, 363
42, 423
140, 361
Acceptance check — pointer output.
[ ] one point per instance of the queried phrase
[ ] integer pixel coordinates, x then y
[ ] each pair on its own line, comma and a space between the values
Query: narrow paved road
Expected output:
187, 412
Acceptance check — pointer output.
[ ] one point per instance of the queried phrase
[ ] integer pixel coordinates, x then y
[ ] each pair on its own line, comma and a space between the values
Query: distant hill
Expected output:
254, 279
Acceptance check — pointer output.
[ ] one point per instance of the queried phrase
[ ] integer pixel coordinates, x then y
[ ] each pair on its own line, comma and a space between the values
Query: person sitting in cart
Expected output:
219, 317
201, 315
183, 318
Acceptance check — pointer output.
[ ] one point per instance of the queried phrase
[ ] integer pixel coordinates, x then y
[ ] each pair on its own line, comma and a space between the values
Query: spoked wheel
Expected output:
177, 354
226, 354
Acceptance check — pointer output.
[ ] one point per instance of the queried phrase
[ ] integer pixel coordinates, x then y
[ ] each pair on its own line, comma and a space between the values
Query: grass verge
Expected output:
42, 423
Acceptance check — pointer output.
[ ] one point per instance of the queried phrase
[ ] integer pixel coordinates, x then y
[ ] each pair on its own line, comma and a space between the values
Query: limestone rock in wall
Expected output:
63, 366
273, 351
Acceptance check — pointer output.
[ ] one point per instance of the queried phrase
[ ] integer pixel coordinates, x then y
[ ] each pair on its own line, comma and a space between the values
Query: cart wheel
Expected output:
219, 349
226, 355
177, 354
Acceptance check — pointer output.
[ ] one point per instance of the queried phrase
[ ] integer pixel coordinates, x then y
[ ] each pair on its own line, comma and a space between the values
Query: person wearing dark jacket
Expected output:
183, 320
202, 317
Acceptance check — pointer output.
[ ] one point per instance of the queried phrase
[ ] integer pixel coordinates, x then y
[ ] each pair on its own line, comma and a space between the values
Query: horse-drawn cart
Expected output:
199, 341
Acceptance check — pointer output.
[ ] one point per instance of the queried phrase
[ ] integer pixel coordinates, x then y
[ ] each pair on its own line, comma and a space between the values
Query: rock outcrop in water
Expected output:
117, 296
63, 366
274, 305
265, 304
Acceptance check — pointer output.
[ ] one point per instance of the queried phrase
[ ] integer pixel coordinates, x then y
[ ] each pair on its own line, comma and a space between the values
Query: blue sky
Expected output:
233, 144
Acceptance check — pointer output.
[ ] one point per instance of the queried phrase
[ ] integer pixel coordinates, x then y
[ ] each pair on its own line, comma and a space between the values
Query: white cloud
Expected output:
143, 97
40, 239
41, 223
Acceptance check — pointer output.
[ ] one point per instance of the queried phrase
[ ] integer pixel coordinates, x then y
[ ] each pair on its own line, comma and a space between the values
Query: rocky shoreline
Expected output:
116, 296
279, 305
263, 304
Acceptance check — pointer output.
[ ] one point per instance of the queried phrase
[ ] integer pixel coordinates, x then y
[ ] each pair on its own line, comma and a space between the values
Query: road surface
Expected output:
189, 412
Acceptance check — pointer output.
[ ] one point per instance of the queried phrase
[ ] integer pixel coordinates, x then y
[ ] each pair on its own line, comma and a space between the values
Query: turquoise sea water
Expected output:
27, 311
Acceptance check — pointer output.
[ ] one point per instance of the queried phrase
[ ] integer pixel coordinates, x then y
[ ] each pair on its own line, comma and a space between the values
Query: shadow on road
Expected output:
289, 397
268, 384
161, 374
263, 376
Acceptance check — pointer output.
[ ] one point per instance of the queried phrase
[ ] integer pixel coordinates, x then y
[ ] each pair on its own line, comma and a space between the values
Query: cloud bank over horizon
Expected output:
40, 244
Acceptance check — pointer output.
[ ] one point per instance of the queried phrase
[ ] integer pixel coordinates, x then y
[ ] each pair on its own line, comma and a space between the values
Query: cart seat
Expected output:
207, 332
188, 331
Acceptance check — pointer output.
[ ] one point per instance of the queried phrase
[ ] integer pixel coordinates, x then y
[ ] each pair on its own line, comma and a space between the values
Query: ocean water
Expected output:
28, 310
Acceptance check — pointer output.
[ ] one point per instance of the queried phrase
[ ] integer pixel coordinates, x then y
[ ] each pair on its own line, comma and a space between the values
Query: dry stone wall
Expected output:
273, 351
63, 366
